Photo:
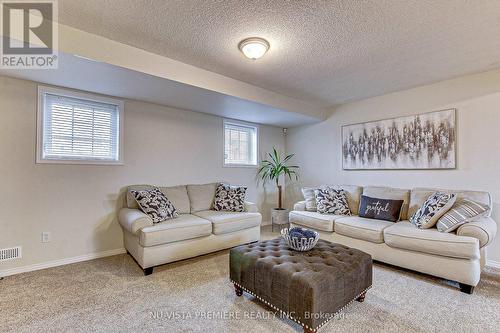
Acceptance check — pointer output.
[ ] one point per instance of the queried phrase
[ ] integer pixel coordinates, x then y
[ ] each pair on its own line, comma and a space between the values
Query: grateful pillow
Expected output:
310, 198
432, 209
380, 209
155, 204
331, 201
463, 211
230, 198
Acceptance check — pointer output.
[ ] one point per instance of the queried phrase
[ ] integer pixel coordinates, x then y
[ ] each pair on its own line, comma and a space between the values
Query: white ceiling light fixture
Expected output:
254, 47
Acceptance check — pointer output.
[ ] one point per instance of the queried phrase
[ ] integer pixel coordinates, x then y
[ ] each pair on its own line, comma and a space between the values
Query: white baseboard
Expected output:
60, 262
493, 263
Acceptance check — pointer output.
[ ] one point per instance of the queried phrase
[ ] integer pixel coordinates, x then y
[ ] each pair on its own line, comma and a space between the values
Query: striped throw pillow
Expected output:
462, 212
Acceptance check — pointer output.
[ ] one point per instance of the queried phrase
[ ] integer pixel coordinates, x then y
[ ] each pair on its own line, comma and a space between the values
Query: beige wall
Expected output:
77, 203
477, 99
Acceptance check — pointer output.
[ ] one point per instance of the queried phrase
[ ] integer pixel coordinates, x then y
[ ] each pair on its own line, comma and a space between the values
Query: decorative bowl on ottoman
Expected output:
300, 239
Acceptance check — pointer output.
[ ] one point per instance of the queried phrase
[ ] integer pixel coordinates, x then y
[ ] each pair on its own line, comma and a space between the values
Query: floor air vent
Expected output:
10, 253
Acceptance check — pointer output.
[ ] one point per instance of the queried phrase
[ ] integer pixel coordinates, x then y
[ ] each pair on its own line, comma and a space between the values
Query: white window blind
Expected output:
240, 144
75, 129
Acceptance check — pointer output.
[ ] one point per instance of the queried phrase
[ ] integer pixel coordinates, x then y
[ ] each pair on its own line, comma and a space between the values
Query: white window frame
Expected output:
257, 142
85, 96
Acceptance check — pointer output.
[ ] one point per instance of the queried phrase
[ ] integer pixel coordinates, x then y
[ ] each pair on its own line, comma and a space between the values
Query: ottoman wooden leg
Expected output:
361, 297
238, 290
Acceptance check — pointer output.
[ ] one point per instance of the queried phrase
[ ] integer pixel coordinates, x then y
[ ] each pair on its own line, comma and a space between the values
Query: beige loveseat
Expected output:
198, 229
457, 256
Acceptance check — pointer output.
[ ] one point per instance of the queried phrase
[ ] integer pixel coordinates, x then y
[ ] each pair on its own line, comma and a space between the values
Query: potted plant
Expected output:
271, 170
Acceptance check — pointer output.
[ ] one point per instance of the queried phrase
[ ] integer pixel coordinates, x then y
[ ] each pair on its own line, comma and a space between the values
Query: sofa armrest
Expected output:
250, 207
133, 220
483, 229
301, 205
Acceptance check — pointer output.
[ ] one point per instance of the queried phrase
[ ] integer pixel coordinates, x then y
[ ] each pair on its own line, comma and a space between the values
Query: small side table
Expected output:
279, 217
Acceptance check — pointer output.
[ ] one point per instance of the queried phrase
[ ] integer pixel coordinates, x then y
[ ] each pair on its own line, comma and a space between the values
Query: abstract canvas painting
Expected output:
424, 141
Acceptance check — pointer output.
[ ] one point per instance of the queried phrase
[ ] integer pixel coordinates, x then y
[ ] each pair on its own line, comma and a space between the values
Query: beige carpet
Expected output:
112, 295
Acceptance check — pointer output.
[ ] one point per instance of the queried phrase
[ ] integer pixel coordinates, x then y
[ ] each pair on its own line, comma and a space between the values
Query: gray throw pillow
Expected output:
432, 209
463, 211
155, 204
331, 201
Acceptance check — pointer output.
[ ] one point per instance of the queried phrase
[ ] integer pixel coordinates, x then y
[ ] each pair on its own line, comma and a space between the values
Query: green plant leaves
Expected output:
273, 168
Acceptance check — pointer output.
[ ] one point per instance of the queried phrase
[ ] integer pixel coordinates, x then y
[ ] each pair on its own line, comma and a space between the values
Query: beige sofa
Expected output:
457, 256
198, 229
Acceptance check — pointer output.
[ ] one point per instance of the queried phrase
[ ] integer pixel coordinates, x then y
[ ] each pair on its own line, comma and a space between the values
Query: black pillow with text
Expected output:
380, 209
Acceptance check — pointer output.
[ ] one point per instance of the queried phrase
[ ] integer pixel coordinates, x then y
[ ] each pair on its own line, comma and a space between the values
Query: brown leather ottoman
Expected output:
308, 287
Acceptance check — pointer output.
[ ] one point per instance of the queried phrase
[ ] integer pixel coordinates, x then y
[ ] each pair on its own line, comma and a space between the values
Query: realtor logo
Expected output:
29, 34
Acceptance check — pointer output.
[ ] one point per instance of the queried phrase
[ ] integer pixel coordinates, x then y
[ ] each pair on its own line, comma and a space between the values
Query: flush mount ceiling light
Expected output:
254, 47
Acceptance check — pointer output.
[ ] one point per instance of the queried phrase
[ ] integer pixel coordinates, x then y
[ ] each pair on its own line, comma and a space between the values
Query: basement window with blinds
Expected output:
240, 144
78, 128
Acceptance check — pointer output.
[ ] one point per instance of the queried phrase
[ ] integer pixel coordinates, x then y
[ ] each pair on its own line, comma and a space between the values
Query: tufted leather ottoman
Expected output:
308, 287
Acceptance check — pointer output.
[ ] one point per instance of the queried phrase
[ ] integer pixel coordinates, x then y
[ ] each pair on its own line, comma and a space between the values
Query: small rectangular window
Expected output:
240, 144
78, 128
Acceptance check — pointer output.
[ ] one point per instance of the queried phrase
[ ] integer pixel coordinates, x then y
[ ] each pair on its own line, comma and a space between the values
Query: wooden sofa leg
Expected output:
465, 288
148, 271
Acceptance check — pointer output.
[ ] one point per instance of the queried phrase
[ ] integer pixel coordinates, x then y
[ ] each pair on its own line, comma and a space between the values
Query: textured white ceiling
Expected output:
326, 52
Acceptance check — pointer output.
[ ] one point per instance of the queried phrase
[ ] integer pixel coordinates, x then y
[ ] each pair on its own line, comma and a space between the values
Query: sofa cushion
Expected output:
186, 226
225, 222
370, 230
419, 195
176, 194
314, 220
155, 204
404, 235
332, 201
201, 196
432, 209
390, 193
179, 197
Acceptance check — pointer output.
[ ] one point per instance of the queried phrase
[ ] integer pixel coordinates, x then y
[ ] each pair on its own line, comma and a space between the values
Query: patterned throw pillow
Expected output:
310, 198
432, 209
155, 204
462, 212
331, 201
230, 198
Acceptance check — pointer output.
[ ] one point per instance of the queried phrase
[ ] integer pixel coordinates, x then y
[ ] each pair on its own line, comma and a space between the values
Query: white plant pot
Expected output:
279, 216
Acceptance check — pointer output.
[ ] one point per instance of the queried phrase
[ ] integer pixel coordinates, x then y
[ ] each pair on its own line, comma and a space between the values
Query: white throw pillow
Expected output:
310, 198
